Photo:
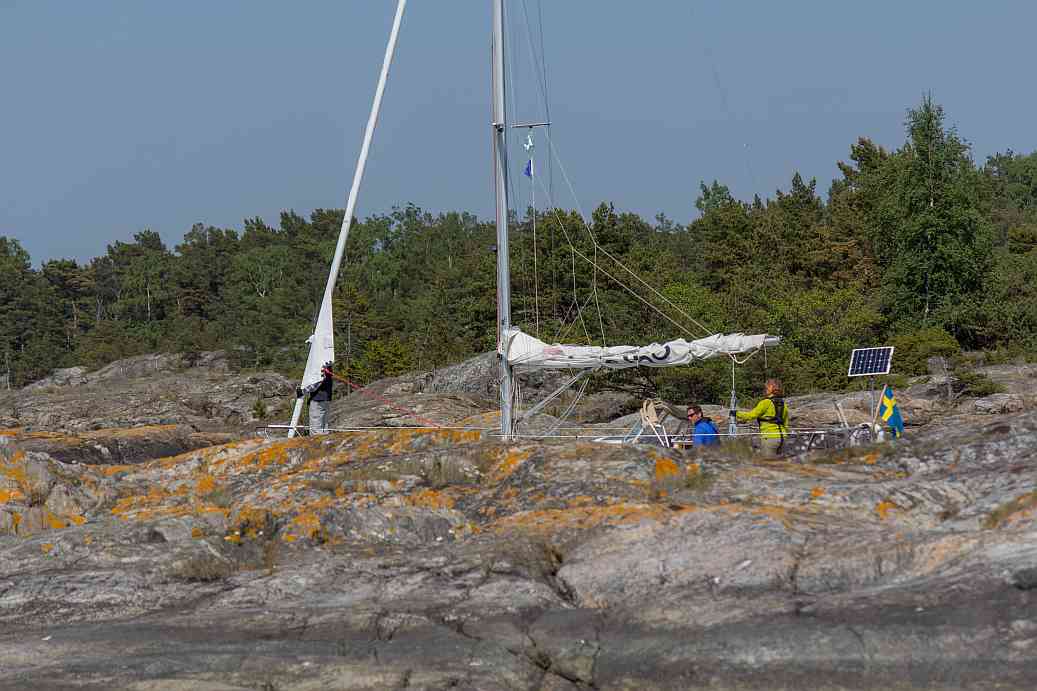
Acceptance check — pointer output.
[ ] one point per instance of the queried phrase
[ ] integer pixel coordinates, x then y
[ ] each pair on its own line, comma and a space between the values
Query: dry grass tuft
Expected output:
698, 480
221, 497
1001, 514
203, 568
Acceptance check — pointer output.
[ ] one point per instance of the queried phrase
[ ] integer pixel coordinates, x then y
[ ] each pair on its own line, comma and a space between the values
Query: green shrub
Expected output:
913, 349
977, 384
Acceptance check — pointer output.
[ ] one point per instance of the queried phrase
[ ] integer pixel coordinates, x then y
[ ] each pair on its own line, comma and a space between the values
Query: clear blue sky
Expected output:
119, 116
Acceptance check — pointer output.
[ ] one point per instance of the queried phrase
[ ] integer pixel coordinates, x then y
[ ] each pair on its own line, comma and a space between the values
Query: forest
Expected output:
919, 247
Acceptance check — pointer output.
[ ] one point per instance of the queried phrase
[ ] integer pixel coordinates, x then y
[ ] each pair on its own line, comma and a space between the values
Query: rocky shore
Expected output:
446, 558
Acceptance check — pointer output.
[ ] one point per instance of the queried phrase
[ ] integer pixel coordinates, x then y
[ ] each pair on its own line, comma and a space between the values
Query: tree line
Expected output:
919, 247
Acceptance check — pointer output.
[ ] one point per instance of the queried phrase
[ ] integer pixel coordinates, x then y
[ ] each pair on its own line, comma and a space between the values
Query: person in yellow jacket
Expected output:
773, 416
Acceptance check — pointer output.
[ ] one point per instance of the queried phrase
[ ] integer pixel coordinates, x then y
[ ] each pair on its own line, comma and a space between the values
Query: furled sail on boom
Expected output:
524, 352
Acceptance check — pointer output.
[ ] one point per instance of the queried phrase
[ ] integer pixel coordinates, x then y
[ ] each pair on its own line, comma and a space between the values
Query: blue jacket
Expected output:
705, 433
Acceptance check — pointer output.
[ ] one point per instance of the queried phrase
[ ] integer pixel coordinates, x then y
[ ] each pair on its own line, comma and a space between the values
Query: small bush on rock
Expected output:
203, 568
972, 383
913, 349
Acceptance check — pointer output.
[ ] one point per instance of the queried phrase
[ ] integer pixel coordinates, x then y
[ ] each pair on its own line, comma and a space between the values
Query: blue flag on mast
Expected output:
528, 172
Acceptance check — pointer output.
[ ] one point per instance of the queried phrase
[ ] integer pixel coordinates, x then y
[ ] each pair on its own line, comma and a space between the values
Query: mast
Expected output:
500, 160
322, 339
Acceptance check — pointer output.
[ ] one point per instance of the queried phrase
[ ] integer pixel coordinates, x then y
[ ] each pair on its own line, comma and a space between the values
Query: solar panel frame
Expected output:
869, 362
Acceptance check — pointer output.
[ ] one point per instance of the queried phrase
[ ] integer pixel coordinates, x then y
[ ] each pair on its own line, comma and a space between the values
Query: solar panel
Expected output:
867, 362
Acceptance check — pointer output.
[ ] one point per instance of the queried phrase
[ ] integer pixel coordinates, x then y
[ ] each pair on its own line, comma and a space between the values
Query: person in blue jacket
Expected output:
703, 431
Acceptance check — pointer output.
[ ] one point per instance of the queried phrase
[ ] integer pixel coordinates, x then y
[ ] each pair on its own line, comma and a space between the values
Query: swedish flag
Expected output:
890, 413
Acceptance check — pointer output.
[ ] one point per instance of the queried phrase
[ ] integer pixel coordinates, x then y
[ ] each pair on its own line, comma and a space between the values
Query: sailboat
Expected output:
517, 351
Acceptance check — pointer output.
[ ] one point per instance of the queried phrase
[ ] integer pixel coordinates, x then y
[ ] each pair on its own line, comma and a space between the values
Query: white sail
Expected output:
524, 352
322, 349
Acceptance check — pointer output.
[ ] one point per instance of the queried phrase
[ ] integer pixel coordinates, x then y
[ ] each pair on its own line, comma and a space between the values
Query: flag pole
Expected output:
875, 413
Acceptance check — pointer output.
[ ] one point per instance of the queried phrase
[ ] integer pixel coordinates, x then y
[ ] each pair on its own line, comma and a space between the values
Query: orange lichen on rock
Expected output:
110, 470
777, 513
306, 524
552, 520
507, 465
15, 469
431, 499
197, 533
55, 522
125, 505
271, 453
1016, 511
47, 547
251, 521
146, 431
205, 484
817, 492
7, 495
666, 469
884, 507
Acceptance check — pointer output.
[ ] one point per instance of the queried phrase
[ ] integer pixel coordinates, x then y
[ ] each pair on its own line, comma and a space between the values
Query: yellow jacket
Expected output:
765, 408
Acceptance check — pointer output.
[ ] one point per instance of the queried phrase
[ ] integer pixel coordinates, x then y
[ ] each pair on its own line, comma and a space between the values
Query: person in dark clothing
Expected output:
320, 402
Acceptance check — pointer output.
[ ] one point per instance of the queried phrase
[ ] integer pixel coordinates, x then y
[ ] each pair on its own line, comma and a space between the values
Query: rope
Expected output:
595, 432
364, 392
745, 359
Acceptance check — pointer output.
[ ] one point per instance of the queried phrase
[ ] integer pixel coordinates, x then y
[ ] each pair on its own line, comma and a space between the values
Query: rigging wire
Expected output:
560, 337
597, 305
540, 69
510, 107
547, 101
579, 312
621, 284
626, 287
553, 156
540, 66
590, 233
529, 146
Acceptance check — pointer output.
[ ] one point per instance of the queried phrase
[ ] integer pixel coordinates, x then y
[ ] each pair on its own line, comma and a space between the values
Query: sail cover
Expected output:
322, 348
525, 352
